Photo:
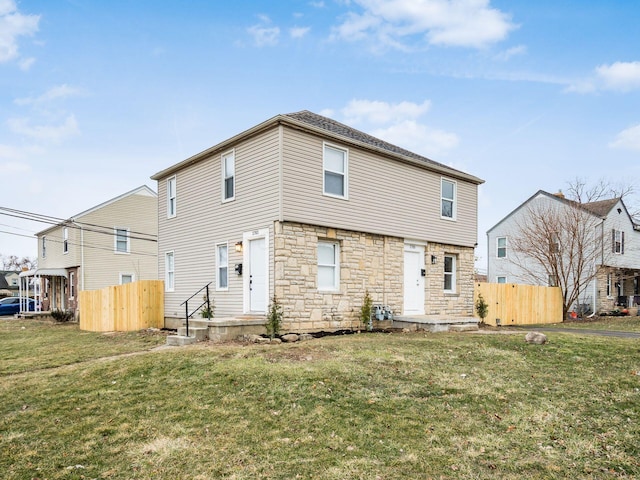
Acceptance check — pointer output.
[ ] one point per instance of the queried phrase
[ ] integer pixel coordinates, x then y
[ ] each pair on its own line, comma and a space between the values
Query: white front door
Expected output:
256, 273
413, 279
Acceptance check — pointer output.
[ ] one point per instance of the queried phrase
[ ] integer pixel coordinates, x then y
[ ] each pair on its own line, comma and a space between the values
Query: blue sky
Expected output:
97, 96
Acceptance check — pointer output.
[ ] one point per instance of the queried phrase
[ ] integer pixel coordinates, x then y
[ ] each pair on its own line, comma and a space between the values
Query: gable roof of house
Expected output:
4, 285
600, 208
326, 127
141, 190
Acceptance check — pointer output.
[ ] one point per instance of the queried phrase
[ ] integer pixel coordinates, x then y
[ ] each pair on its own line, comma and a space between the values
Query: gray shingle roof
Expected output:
343, 130
602, 207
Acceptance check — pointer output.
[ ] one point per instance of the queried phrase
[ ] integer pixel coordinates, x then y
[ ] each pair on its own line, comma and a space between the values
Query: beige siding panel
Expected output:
55, 257
385, 196
203, 220
102, 264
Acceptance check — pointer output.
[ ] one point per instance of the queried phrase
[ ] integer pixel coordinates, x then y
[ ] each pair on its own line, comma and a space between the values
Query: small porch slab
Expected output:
434, 323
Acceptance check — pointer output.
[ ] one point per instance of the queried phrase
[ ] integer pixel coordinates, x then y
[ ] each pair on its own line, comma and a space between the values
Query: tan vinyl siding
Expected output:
55, 257
103, 265
202, 220
385, 196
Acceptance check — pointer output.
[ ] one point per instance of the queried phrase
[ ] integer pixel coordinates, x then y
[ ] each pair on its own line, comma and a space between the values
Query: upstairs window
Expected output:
121, 240
448, 198
617, 237
335, 167
228, 176
171, 197
222, 259
502, 247
65, 240
328, 266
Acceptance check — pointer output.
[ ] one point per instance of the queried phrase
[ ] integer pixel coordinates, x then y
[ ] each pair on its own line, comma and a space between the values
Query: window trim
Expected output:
65, 240
72, 290
115, 241
499, 277
336, 266
169, 286
126, 274
452, 273
345, 174
223, 169
454, 200
617, 242
172, 180
498, 247
219, 266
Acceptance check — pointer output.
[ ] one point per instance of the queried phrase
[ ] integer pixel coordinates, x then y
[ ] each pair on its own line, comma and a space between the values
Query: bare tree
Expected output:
581, 191
558, 243
13, 262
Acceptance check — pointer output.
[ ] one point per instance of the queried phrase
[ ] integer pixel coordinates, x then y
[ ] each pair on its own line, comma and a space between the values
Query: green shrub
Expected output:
63, 315
482, 308
365, 310
274, 318
207, 310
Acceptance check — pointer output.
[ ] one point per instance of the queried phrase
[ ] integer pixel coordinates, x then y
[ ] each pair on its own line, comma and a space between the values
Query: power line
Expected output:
36, 217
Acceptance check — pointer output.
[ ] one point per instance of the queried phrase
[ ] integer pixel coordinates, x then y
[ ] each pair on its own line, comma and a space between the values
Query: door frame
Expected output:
420, 248
246, 260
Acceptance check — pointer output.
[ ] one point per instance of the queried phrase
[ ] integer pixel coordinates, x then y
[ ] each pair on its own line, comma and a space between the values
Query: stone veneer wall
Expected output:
606, 303
367, 261
437, 302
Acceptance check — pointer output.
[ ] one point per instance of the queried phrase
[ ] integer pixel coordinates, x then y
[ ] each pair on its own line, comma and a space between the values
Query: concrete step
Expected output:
200, 333
180, 340
465, 327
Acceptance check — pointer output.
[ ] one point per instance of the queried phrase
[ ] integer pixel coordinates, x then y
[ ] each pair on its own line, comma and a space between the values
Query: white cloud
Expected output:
418, 138
511, 52
10, 152
15, 167
13, 25
379, 112
49, 133
398, 123
620, 76
264, 36
461, 23
628, 139
299, 32
317, 4
54, 93
26, 63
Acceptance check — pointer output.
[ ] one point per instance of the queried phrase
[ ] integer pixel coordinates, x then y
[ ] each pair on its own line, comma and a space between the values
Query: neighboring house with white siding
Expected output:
316, 213
616, 265
110, 244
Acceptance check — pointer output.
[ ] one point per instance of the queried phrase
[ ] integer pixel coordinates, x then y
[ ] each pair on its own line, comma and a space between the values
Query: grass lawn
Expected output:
620, 324
369, 406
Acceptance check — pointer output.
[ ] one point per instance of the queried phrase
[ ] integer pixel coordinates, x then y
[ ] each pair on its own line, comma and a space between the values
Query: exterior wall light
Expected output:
238, 247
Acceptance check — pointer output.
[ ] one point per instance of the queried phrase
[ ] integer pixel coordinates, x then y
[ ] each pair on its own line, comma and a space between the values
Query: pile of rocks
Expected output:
288, 338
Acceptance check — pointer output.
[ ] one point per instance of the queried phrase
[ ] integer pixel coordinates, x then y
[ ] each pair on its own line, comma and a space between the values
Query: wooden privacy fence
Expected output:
514, 304
123, 308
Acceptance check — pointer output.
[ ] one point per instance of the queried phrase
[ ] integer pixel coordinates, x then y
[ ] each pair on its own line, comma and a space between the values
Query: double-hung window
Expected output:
72, 285
335, 167
448, 199
449, 274
65, 240
222, 262
228, 176
169, 272
121, 240
328, 265
618, 241
171, 197
502, 247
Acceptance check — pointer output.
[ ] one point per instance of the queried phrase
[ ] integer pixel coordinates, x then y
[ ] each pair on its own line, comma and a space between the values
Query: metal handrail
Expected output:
186, 304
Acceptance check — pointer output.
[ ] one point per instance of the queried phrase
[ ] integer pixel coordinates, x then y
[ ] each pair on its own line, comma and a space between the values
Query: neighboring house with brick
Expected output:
316, 213
616, 262
110, 244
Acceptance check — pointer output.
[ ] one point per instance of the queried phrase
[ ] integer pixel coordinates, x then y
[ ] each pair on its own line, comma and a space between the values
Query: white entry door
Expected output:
413, 279
257, 275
